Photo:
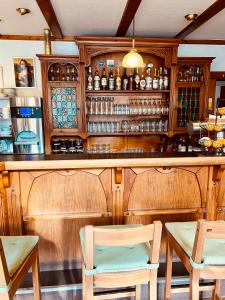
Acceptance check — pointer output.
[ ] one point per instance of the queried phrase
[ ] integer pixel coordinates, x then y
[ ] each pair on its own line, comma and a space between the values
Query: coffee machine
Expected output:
6, 143
27, 125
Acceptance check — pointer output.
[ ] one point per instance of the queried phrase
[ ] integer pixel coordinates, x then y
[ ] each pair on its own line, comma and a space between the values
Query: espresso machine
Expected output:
27, 125
6, 143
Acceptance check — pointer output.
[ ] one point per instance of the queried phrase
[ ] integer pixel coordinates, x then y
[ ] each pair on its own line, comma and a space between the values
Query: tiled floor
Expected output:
76, 295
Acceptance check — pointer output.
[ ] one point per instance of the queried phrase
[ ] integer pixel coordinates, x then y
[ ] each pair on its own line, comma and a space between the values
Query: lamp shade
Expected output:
133, 60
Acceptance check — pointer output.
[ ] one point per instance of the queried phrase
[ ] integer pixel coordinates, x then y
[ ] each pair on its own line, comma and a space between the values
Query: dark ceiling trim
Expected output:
70, 38
214, 9
66, 38
50, 17
128, 15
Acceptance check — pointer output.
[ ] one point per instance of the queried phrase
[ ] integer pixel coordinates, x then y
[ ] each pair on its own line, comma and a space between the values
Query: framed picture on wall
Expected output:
24, 72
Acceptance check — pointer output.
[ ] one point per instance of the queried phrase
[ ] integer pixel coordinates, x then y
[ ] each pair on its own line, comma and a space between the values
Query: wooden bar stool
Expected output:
201, 247
120, 256
17, 255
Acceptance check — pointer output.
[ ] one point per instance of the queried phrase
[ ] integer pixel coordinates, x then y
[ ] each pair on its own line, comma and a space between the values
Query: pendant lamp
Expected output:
133, 59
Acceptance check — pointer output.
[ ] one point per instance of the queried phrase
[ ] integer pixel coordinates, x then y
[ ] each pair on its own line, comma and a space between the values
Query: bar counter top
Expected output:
110, 160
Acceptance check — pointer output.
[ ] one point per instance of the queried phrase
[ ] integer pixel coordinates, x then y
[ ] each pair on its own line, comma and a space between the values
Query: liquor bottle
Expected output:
97, 81
63, 77
165, 79
161, 79
104, 81
137, 80
142, 81
58, 74
89, 80
148, 78
125, 81
52, 74
67, 73
118, 80
155, 83
131, 82
111, 81
190, 145
182, 145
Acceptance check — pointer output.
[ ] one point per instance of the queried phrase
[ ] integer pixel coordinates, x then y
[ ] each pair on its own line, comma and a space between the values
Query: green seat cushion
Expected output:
118, 258
184, 234
16, 249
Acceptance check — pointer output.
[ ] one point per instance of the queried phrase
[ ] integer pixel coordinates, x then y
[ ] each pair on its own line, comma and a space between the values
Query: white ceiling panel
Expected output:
89, 17
213, 29
14, 23
165, 18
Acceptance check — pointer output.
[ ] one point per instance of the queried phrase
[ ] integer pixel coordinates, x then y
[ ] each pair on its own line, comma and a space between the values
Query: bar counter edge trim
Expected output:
110, 163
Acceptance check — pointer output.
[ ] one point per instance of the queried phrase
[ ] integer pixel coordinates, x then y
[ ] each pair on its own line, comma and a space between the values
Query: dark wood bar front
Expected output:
53, 198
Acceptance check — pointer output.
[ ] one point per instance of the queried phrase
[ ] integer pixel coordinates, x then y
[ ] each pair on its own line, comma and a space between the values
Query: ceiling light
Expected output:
23, 11
133, 59
191, 17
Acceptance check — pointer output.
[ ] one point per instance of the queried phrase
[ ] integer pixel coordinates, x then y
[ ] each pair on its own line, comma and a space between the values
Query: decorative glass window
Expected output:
188, 105
64, 107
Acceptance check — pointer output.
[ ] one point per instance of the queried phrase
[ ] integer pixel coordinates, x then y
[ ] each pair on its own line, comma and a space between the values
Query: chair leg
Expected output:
5, 297
194, 285
83, 284
153, 285
36, 278
138, 292
169, 262
216, 292
89, 288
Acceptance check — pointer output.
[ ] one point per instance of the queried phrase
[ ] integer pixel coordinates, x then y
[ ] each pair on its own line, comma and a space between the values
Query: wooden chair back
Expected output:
206, 230
121, 237
4, 273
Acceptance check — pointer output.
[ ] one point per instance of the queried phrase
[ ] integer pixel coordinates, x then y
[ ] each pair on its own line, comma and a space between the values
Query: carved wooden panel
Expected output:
160, 189
165, 189
220, 199
51, 201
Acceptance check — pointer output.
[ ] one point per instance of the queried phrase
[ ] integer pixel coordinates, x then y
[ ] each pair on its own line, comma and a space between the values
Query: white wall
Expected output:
217, 51
10, 49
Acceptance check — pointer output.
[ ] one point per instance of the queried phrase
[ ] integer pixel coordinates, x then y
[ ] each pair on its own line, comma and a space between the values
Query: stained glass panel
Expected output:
64, 108
188, 105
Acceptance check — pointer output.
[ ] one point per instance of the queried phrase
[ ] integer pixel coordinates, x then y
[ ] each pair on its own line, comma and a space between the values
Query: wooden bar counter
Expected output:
54, 195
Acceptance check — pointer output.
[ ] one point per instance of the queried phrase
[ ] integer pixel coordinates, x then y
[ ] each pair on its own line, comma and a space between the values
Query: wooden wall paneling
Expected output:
164, 219
118, 190
4, 220
173, 196
215, 187
14, 205
58, 203
220, 201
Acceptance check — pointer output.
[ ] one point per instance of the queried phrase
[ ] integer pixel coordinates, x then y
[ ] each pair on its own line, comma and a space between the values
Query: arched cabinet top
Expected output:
162, 48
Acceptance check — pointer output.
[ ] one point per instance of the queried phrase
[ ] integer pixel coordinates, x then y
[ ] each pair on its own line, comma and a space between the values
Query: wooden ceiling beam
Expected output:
50, 17
214, 9
128, 15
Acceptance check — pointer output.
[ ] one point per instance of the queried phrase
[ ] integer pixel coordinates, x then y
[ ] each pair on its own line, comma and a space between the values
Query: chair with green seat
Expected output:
201, 247
120, 256
17, 255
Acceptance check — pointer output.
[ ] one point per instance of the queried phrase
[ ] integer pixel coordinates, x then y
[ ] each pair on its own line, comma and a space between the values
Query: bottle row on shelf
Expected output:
60, 72
180, 144
65, 146
192, 73
106, 106
131, 126
132, 81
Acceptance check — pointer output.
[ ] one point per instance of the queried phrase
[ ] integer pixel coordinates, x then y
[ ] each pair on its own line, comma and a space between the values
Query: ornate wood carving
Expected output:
56, 203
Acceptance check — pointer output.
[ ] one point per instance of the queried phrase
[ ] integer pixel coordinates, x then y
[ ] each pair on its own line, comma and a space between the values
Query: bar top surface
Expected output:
110, 160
